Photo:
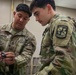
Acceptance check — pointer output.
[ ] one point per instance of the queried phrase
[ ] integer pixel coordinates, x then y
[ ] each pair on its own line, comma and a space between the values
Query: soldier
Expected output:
17, 44
58, 49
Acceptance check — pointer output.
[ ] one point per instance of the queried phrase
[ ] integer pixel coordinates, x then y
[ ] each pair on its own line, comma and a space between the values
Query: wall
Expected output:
67, 11
6, 17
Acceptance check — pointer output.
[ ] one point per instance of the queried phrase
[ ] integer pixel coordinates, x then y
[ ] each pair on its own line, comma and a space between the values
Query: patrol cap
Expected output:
42, 3
24, 8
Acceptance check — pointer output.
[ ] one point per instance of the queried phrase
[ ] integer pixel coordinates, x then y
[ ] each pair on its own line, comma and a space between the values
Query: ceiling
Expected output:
66, 3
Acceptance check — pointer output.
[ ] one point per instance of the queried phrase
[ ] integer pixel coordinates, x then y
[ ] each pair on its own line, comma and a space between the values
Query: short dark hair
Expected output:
42, 3
25, 8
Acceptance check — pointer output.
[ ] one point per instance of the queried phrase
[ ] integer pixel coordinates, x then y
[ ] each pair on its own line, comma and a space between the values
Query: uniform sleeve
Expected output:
27, 52
62, 33
62, 63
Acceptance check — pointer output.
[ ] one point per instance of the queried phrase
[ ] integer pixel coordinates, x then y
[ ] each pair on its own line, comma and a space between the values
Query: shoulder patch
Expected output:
61, 31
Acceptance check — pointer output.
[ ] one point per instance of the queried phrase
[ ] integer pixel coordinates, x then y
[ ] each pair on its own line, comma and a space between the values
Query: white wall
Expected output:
67, 11
5, 11
33, 26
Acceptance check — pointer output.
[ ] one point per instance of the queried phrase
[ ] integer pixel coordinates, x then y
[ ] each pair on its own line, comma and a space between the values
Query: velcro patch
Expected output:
61, 31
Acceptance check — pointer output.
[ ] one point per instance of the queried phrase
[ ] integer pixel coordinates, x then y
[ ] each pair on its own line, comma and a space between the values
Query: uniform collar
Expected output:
9, 29
54, 18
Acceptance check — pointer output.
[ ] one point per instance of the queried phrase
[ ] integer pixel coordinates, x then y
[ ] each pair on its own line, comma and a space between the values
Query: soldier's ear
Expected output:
49, 7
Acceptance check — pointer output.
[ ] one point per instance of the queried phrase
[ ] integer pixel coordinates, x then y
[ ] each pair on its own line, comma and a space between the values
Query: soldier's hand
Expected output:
10, 58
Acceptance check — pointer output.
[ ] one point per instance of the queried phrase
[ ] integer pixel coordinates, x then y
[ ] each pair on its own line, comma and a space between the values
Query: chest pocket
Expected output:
16, 44
46, 37
46, 44
2, 42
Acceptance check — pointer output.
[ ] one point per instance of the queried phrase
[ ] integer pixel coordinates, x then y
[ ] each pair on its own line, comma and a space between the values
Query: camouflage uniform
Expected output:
22, 43
58, 48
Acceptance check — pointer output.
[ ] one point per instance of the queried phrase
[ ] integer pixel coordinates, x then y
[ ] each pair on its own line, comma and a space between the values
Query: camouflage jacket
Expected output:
58, 50
22, 43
